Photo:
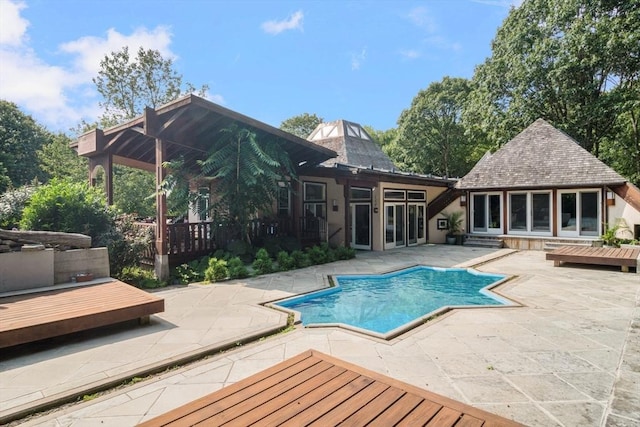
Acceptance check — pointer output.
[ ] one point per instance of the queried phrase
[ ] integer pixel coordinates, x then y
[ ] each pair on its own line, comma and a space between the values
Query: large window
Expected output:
579, 213
530, 212
284, 202
486, 213
315, 199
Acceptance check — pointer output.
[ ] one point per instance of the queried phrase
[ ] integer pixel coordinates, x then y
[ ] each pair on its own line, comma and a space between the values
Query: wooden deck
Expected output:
35, 316
621, 257
316, 389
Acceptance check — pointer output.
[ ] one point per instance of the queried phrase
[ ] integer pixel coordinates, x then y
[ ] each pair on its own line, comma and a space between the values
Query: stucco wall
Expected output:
26, 270
623, 210
439, 236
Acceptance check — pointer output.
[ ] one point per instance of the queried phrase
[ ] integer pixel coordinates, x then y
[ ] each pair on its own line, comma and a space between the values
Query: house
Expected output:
541, 187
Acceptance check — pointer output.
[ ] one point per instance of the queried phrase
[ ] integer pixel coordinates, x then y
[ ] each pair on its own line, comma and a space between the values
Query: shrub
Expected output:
240, 249
126, 243
217, 270
263, 263
139, 277
12, 204
317, 255
343, 252
237, 269
191, 272
285, 261
300, 259
69, 207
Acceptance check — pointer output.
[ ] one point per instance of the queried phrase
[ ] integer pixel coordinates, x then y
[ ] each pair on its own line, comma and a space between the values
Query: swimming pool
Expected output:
388, 304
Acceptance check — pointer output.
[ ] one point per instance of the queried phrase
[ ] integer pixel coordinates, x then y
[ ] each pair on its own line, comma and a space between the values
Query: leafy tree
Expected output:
134, 191
20, 138
12, 204
567, 61
129, 84
58, 160
431, 135
301, 125
384, 138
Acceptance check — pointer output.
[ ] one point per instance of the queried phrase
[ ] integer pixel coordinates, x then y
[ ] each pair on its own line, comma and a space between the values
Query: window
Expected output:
315, 200
579, 213
529, 212
360, 194
486, 213
394, 194
284, 202
416, 195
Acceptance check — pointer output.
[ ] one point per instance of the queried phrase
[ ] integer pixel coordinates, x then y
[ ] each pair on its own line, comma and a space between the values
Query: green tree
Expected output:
431, 135
567, 61
301, 125
133, 191
58, 160
20, 138
129, 84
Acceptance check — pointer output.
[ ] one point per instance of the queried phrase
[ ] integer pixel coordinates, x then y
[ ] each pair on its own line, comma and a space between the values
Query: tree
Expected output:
431, 136
20, 138
567, 61
134, 190
129, 84
58, 160
301, 125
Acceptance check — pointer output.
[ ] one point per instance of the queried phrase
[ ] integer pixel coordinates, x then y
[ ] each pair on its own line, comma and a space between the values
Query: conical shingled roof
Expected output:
353, 144
539, 156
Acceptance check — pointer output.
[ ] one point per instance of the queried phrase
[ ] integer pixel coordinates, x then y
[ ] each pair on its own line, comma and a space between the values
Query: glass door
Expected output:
394, 225
416, 223
579, 213
479, 212
361, 226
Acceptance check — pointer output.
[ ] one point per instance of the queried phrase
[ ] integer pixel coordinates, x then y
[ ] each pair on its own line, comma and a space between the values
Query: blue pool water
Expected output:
382, 303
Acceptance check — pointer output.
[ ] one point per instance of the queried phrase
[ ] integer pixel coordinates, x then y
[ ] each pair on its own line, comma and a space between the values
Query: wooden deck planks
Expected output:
620, 257
31, 317
340, 393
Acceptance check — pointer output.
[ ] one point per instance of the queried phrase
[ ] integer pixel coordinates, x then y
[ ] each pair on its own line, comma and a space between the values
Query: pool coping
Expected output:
491, 289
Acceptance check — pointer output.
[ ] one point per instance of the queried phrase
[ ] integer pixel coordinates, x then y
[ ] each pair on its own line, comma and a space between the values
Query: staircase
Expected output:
483, 242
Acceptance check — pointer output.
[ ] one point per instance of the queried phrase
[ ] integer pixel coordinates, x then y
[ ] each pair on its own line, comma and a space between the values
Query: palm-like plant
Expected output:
245, 171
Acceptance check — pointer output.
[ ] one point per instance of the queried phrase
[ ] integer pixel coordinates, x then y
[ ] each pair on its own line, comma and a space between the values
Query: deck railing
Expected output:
188, 241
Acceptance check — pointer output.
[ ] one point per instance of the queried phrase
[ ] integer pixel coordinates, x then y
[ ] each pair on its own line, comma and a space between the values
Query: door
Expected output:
394, 225
487, 213
361, 226
579, 213
416, 223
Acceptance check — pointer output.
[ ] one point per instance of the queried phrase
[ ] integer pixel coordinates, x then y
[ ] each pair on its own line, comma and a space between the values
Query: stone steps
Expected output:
483, 242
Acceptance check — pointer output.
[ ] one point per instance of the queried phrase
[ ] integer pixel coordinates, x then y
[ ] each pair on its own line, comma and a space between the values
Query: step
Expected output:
483, 242
550, 245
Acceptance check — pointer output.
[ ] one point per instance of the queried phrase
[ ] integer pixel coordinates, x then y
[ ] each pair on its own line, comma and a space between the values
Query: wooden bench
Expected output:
314, 388
34, 316
621, 257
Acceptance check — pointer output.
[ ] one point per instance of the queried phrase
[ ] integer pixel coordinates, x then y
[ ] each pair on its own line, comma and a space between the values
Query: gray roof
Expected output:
352, 143
540, 156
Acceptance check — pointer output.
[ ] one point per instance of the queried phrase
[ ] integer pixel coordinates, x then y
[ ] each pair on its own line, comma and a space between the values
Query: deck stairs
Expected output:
483, 241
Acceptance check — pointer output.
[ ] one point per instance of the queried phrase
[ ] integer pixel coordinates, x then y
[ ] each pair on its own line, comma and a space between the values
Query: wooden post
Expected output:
347, 214
162, 257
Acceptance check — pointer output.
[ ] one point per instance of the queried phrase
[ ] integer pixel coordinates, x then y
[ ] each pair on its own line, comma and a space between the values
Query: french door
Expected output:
579, 213
394, 222
415, 223
486, 213
361, 226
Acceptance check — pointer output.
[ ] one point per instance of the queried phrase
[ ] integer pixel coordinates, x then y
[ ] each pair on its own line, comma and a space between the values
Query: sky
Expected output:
362, 61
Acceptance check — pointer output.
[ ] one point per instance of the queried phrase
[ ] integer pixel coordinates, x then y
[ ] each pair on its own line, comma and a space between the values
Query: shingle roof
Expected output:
540, 156
352, 143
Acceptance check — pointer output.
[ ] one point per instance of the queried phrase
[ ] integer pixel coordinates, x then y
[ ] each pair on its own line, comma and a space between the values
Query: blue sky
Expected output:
362, 61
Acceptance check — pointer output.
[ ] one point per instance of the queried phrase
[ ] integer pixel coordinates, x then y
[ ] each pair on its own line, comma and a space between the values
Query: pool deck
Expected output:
570, 356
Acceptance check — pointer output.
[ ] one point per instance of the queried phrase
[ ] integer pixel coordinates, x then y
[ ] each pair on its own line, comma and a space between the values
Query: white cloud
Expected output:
61, 95
421, 17
13, 27
357, 59
294, 22
411, 53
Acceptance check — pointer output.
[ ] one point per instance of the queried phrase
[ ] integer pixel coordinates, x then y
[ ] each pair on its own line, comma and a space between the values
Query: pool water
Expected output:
382, 303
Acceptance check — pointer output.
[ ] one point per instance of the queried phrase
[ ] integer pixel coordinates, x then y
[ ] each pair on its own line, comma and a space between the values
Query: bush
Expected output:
191, 272
263, 263
237, 269
139, 277
217, 270
300, 259
240, 249
69, 207
126, 243
317, 255
12, 204
343, 252
285, 261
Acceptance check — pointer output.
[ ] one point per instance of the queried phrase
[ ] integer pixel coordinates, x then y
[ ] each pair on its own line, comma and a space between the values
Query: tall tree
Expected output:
58, 160
301, 125
431, 136
129, 84
20, 138
562, 60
